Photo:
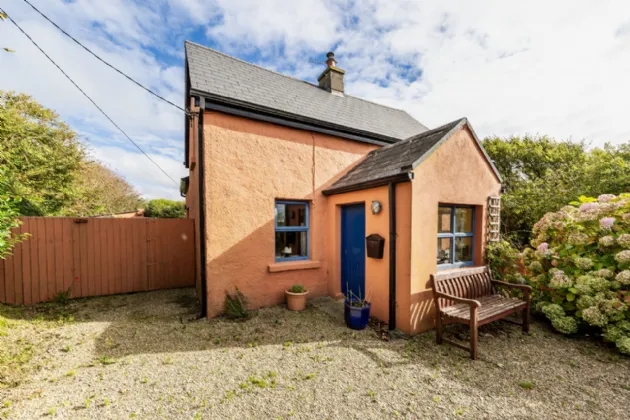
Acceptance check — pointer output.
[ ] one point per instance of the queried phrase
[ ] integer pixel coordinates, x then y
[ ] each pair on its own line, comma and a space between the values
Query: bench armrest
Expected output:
527, 290
472, 302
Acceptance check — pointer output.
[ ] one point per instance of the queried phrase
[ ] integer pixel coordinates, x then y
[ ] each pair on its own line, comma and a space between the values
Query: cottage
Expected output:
288, 178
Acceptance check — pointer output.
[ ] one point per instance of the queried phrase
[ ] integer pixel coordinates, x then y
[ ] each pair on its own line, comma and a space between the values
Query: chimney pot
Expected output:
331, 59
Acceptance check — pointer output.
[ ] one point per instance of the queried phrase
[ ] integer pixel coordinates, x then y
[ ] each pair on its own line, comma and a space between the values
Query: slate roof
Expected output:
229, 80
394, 162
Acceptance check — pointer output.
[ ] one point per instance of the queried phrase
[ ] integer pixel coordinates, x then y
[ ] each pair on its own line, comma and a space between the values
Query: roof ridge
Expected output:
433, 130
292, 78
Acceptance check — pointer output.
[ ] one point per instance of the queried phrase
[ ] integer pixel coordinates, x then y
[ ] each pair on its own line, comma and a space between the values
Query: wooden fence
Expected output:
94, 256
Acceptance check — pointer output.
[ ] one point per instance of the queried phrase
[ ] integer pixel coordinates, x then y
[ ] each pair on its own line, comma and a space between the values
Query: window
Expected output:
456, 237
292, 223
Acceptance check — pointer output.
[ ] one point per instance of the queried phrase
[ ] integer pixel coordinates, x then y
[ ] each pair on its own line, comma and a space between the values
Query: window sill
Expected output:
293, 265
451, 268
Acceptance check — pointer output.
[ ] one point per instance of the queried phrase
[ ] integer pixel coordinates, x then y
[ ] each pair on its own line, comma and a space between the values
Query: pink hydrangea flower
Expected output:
605, 198
543, 248
588, 206
607, 222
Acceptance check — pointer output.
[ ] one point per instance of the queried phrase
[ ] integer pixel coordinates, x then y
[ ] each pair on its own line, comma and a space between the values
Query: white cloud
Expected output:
558, 68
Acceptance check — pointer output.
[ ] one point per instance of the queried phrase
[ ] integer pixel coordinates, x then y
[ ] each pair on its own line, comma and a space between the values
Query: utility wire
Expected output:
103, 61
86, 95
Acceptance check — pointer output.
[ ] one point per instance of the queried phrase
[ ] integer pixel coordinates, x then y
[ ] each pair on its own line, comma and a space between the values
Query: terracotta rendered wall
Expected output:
403, 256
456, 173
376, 270
248, 165
192, 197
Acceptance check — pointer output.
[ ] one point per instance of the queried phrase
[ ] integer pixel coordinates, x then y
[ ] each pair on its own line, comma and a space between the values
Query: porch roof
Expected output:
394, 163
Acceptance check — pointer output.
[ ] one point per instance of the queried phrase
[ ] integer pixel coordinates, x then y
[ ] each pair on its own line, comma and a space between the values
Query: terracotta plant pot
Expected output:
296, 301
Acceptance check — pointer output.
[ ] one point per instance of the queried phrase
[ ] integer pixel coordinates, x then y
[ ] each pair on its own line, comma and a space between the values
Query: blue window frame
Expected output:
456, 236
292, 239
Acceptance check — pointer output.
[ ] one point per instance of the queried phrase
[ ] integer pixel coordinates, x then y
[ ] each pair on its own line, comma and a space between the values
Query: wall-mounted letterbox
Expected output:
375, 245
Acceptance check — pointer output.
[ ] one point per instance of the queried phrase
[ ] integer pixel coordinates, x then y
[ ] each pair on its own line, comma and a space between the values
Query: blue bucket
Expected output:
356, 318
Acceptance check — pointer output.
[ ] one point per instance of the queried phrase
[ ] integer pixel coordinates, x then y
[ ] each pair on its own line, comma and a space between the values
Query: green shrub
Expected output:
504, 261
579, 267
297, 288
236, 305
165, 209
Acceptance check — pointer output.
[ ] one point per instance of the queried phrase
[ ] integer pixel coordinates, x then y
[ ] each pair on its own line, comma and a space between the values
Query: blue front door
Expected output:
353, 249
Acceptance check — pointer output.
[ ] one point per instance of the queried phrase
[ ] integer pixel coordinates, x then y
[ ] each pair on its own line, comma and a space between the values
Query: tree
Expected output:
8, 221
41, 156
46, 170
164, 208
541, 175
101, 191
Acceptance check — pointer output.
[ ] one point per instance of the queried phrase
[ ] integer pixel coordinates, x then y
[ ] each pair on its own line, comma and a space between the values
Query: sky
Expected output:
557, 68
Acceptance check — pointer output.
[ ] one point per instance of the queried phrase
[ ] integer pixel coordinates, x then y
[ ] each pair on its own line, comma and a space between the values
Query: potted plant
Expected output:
356, 311
296, 297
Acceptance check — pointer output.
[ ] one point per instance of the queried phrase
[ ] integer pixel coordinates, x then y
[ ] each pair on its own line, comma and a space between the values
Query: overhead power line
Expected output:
103, 61
88, 97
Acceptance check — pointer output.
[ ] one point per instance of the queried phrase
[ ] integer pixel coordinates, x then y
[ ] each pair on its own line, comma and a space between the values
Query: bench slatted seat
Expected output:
470, 297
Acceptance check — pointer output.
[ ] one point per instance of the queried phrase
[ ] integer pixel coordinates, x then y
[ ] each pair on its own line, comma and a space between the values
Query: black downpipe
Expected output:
392, 256
202, 213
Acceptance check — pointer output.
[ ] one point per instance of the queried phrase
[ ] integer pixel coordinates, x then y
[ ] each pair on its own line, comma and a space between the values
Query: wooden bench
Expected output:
470, 296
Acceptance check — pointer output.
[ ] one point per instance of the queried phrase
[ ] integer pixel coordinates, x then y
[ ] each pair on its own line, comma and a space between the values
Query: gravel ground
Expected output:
137, 356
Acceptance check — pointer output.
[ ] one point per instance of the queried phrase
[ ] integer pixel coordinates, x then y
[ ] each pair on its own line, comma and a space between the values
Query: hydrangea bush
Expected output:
579, 267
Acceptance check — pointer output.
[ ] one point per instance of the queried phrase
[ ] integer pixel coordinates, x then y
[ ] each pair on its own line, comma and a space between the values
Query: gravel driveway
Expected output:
138, 356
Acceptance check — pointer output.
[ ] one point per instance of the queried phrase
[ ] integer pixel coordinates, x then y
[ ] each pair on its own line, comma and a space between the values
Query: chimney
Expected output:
331, 79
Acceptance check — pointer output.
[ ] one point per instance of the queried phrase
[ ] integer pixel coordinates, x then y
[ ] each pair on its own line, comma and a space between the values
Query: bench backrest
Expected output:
471, 283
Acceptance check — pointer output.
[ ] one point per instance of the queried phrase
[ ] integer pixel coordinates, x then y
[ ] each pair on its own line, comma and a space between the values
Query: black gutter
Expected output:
392, 256
402, 177
290, 120
202, 213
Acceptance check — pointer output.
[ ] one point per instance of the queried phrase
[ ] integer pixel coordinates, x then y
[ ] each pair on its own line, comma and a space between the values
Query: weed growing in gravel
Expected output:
7, 404
168, 361
236, 306
106, 360
51, 411
67, 349
71, 373
63, 297
106, 402
526, 385
258, 382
